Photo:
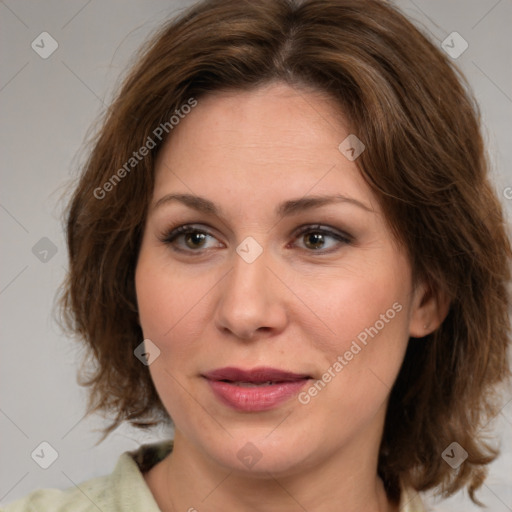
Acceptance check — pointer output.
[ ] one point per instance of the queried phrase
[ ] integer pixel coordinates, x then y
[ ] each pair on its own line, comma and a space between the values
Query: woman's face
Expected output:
286, 267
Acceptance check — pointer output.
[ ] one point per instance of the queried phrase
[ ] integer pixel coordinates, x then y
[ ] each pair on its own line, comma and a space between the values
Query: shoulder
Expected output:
123, 489
68, 500
90, 495
410, 501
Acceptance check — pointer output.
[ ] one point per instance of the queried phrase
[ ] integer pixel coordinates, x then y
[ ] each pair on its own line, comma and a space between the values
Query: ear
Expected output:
429, 309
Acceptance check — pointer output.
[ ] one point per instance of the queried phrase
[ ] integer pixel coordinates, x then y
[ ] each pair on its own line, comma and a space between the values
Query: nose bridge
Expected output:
250, 261
250, 299
248, 279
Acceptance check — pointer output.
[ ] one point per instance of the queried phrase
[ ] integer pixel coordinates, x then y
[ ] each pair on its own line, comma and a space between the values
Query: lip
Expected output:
262, 397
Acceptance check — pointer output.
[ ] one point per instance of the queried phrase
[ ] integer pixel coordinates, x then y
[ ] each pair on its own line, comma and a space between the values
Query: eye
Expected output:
319, 239
322, 240
188, 239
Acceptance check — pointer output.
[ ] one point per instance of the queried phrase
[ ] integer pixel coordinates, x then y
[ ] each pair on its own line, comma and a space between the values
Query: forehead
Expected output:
274, 140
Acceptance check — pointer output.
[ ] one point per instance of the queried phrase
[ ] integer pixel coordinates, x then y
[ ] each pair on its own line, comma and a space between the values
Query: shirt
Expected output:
126, 490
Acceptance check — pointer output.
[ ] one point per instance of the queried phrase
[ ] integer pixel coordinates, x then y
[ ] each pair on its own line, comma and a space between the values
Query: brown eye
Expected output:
189, 239
321, 240
314, 240
195, 240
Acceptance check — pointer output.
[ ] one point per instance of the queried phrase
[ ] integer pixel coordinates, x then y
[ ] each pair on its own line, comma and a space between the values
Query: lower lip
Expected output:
257, 398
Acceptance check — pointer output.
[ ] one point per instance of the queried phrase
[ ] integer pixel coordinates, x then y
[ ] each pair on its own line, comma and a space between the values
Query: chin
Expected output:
257, 455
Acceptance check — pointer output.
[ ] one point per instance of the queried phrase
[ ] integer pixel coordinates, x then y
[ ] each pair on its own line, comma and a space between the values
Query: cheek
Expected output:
171, 306
154, 299
360, 300
368, 314
168, 318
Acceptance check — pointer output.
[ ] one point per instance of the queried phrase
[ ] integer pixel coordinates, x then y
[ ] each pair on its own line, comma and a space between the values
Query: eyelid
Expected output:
168, 235
342, 238
334, 232
171, 234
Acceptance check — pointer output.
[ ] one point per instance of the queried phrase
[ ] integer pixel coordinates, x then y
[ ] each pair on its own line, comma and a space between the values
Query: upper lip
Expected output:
255, 375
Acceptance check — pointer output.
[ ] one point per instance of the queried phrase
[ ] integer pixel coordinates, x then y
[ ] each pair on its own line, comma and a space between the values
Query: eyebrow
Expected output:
287, 208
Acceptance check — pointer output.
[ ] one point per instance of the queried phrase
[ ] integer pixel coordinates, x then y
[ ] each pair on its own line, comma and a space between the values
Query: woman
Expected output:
285, 240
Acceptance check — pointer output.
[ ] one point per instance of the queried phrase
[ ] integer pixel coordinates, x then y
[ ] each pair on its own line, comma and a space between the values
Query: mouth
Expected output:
255, 390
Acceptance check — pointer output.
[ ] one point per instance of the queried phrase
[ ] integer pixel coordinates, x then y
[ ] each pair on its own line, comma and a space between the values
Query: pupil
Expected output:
195, 239
315, 239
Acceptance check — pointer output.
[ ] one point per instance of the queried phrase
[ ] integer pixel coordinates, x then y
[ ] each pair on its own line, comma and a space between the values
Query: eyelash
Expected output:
170, 236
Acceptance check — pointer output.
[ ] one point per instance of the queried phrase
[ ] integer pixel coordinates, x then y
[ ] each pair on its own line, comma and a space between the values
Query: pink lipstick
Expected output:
259, 389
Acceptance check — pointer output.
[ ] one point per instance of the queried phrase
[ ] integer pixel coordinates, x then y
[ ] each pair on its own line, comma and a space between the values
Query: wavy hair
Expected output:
425, 161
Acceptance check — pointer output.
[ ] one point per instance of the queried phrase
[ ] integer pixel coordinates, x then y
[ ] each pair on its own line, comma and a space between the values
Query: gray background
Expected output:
47, 107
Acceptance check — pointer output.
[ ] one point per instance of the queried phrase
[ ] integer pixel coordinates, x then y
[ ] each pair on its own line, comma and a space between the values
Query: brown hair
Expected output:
424, 160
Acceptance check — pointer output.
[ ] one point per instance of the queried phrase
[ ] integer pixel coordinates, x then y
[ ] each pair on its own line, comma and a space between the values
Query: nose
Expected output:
251, 300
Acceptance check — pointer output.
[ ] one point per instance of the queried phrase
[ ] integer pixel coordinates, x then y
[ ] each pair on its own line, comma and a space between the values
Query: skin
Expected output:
294, 308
